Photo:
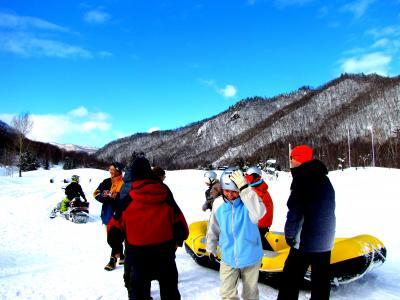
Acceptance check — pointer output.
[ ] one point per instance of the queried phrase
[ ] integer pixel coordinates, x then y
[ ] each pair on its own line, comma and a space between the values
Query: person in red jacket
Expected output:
254, 178
154, 227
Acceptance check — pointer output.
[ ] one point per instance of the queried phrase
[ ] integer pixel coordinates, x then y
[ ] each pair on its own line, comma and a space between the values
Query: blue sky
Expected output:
90, 72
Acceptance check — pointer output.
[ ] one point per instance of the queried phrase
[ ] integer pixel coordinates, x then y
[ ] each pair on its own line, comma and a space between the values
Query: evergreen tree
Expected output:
69, 163
27, 162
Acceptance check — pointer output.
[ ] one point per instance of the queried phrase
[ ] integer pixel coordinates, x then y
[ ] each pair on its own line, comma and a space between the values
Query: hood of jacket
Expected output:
313, 168
149, 191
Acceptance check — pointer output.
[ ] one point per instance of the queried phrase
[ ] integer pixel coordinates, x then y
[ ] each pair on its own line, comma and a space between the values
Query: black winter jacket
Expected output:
74, 190
311, 207
107, 209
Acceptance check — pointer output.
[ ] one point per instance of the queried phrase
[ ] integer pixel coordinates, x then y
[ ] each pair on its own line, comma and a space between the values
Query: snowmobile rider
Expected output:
254, 179
233, 225
154, 226
310, 226
108, 193
72, 191
213, 191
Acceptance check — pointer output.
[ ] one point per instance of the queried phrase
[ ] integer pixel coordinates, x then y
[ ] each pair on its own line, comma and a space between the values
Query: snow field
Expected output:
42, 258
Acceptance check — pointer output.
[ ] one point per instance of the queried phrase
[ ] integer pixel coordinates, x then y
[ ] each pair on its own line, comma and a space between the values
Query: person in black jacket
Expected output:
73, 190
108, 193
310, 226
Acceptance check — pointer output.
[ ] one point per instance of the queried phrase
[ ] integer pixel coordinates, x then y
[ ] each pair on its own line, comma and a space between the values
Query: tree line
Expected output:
28, 155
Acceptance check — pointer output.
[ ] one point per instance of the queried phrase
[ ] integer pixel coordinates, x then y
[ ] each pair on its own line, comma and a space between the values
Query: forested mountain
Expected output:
258, 128
41, 154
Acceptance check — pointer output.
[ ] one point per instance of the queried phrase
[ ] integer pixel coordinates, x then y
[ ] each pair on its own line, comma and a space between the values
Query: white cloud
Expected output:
228, 91
357, 8
81, 111
96, 16
99, 116
53, 128
93, 125
22, 22
283, 3
23, 36
385, 31
29, 46
377, 62
152, 129
381, 43
105, 54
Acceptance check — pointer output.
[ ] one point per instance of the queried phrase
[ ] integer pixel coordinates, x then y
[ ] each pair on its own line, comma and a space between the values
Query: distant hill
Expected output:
76, 148
44, 153
257, 128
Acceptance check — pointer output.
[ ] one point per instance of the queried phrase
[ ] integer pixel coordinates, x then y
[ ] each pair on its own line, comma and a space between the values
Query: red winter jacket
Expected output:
152, 217
262, 192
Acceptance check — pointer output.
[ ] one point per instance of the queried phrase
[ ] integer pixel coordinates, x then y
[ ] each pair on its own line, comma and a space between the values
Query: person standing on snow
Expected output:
233, 226
72, 191
108, 194
213, 191
154, 227
310, 226
254, 179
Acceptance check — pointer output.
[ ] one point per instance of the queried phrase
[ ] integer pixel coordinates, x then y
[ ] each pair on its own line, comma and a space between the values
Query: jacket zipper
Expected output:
234, 237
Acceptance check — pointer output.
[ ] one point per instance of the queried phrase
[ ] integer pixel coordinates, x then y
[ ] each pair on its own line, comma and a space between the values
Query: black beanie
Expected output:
118, 166
141, 169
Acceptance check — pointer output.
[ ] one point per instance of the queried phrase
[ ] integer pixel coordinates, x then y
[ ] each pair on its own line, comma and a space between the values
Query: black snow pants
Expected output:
146, 263
263, 231
295, 268
115, 239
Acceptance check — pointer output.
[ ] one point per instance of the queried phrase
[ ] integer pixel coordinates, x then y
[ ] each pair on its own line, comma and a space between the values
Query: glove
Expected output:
290, 241
239, 180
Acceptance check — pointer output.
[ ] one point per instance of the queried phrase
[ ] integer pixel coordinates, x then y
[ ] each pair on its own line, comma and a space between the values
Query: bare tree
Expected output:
22, 125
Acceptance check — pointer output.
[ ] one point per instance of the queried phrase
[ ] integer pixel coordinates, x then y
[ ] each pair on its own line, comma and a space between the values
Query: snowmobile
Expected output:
351, 258
78, 211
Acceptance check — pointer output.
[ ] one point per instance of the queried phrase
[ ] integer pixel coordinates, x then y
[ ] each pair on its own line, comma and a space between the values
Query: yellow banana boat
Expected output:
351, 257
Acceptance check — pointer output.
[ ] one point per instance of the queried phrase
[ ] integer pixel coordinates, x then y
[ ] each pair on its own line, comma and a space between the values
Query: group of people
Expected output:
245, 206
139, 210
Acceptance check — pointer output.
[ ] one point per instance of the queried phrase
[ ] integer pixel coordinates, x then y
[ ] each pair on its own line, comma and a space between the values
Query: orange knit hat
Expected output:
302, 153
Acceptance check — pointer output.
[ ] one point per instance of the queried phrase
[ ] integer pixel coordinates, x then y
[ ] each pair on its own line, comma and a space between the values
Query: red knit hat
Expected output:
301, 153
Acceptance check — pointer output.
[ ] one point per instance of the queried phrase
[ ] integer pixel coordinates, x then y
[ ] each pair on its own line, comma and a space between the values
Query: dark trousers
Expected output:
115, 239
295, 268
263, 231
146, 263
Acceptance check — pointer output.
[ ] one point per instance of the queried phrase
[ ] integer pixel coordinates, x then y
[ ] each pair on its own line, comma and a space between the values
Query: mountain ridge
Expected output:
254, 125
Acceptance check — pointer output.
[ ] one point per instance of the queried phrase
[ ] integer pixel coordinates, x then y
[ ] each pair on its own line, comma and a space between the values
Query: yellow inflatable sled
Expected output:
351, 257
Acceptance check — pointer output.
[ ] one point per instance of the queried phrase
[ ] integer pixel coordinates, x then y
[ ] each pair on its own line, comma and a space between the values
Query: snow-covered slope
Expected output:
76, 148
42, 258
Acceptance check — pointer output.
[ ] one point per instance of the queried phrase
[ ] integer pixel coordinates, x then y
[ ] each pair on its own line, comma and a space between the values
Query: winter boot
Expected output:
121, 259
111, 264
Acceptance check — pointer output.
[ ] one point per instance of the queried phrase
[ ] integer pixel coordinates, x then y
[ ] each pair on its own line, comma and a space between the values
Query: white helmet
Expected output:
209, 177
254, 170
226, 182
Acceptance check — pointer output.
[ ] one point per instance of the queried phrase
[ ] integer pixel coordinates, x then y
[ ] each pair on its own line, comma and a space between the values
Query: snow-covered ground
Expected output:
42, 258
